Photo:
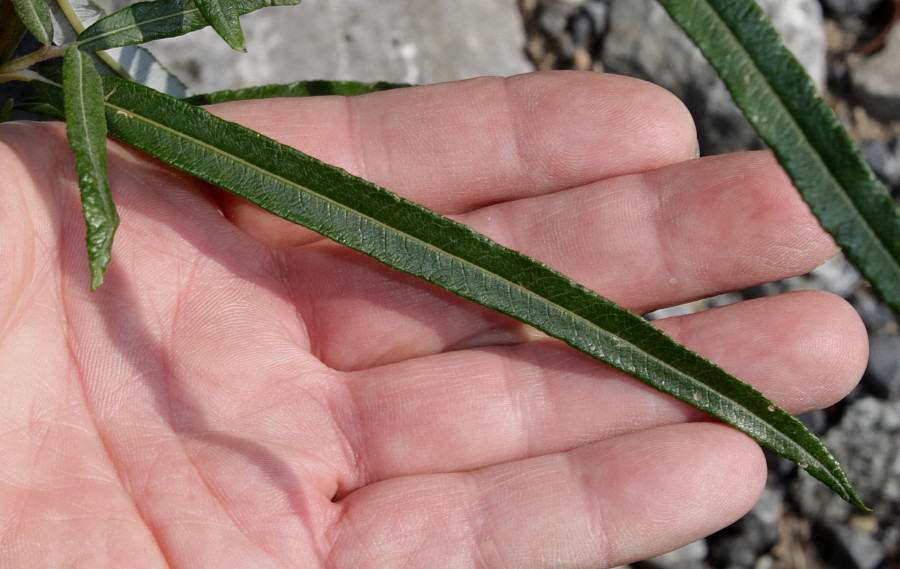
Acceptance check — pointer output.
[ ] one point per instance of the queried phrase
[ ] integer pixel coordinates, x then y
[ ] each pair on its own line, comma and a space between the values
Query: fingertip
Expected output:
601, 124
683, 483
804, 349
835, 342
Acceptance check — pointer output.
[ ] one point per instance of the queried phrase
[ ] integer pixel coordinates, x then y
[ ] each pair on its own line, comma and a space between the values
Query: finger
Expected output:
603, 505
650, 240
804, 350
457, 146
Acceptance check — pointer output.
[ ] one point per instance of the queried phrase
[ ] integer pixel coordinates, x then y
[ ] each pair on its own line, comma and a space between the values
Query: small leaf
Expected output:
71, 17
223, 16
39, 107
780, 101
86, 130
298, 89
415, 240
147, 21
36, 16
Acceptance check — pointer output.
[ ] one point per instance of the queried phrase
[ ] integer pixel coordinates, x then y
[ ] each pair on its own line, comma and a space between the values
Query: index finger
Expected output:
458, 146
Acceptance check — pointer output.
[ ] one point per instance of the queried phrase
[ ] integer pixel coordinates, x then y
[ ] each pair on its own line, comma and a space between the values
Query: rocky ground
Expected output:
852, 50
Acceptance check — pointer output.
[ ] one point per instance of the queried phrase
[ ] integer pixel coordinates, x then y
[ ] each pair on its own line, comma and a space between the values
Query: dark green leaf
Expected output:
71, 17
417, 241
780, 101
148, 21
36, 16
223, 16
298, 89
12, 30
86, 130
39, 107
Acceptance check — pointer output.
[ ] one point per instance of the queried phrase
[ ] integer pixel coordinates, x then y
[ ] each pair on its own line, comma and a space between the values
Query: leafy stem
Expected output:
18, 69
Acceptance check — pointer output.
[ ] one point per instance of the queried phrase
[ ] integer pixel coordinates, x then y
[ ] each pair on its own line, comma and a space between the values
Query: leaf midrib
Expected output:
135, 25
771, 430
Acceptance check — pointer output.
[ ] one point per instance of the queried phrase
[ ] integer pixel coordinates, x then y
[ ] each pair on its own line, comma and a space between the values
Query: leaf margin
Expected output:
86, 130
36, 16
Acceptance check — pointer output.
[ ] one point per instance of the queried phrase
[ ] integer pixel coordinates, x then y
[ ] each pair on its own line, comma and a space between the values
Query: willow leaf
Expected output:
146, 21
86, 130
780, 101
298, 89
222, 15
36, 16
71, 17
415, 240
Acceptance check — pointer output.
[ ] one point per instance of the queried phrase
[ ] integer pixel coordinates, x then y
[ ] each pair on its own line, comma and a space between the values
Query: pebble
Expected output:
744, 543
867, 443
876, 82
690, 556
849, 548
852, 8
884, 157
875, 314
882, 376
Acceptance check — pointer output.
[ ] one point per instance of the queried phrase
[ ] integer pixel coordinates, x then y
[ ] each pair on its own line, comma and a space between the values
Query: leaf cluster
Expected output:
104, 90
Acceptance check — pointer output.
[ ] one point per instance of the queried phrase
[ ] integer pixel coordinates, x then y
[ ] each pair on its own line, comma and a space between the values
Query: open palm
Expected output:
243, 393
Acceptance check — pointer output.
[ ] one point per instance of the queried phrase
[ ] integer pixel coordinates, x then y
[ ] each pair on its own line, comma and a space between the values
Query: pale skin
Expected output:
243, 393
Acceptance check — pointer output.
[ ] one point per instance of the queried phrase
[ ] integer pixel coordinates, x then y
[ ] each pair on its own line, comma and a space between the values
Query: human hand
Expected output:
243, 393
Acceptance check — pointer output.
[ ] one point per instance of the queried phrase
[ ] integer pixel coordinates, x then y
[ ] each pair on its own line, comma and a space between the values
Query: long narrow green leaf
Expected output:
780, 101
86, 130
417, 241
36, 16
223, 16
146, 21
71, 17
297, 89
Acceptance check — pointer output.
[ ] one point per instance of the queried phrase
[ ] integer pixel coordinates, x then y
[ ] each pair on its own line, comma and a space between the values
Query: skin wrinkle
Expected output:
597, 523
515, 139
515, 406
484, 542
660, 209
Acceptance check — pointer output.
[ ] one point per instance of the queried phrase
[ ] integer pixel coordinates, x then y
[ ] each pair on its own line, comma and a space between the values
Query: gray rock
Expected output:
837, 275
643, 42
876, 82
882, 376
855, 8
847, 548
884, 158
412, 41
876, 315
690, 556
744, 543
867, 442
815, 421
